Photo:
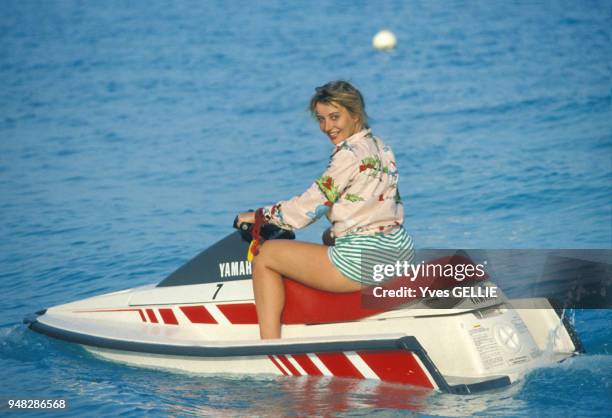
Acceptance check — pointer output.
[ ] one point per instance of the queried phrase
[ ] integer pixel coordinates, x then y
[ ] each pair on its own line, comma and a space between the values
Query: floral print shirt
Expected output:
358, 191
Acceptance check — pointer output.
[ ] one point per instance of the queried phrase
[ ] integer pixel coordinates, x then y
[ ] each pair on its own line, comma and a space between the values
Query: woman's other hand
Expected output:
246, 217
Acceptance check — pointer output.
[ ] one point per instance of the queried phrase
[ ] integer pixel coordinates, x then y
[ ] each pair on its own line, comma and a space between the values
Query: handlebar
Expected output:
266, 232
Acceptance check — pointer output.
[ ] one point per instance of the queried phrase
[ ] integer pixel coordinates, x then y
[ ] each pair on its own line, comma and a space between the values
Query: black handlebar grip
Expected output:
244, 226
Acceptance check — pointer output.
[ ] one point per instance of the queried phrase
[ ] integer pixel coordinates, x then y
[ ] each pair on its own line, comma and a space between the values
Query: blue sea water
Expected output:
132, 132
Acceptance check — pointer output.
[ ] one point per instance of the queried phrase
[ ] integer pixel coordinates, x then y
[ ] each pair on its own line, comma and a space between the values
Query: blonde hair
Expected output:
341, 93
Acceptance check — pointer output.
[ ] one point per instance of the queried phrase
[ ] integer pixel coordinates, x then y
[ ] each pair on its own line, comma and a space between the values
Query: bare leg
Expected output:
304, 262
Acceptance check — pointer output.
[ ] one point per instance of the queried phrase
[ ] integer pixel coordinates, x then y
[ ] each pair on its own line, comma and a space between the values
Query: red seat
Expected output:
305, 305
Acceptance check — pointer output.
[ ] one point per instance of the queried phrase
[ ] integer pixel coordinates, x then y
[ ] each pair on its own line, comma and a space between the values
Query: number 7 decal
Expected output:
219, 286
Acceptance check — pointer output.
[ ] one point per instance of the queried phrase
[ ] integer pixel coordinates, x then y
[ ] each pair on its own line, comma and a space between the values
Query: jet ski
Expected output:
202, 319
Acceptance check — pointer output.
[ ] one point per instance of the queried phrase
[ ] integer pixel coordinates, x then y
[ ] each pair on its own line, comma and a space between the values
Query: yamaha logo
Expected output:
234, 268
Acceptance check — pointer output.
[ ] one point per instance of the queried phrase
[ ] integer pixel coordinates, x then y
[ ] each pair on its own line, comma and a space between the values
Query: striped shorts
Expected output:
356, 255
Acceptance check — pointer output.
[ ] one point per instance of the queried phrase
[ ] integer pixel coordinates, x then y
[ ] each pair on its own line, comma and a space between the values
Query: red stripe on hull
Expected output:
168, 316
198, 314
142, 316
278, 366
339, 365
151, 316
306, 363
288, 365
240, 313
396, 367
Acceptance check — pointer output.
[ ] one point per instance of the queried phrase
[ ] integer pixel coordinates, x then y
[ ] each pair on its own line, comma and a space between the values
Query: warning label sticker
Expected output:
487, 347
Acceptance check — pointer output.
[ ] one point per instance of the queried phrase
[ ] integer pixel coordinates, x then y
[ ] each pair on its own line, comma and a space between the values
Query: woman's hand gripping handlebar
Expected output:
251, 222
253, 228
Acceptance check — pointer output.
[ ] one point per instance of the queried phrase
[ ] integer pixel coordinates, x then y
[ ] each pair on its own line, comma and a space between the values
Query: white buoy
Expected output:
384, 40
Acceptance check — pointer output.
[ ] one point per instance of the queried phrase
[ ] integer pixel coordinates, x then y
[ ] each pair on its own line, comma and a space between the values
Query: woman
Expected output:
358, 193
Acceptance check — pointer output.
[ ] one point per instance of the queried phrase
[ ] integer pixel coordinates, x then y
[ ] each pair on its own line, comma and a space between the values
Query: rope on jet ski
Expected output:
256, 234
